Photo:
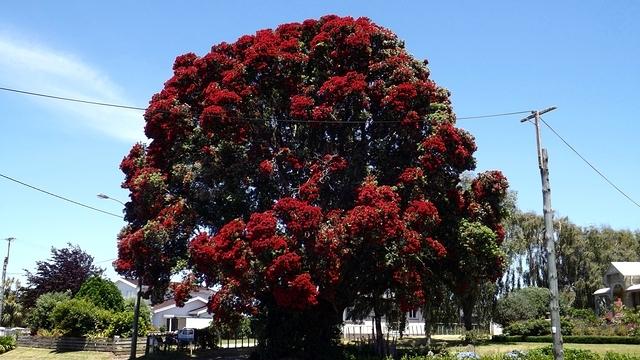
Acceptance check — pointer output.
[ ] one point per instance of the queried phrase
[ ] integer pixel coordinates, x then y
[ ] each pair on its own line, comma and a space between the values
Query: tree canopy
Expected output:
66, 270
102, 293
303, 169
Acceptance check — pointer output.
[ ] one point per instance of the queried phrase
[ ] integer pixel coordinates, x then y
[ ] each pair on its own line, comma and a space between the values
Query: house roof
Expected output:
628, 268
131, 282
200, 293
602, 291
199, 311
169, 304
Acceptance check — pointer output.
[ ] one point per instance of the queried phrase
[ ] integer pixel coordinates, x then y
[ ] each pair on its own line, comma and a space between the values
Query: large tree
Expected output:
66, 270
304, 170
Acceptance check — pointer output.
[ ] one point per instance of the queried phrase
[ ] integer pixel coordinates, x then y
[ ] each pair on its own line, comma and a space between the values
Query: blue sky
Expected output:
501, 56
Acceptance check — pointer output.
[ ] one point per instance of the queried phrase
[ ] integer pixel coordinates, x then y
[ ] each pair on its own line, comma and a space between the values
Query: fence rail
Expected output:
357, 331
117, 346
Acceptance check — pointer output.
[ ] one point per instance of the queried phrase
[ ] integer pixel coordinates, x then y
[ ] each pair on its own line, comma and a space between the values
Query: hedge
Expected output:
573, 339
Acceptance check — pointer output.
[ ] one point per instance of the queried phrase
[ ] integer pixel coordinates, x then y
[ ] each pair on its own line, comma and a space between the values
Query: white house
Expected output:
127, 287
193, 314
167, 314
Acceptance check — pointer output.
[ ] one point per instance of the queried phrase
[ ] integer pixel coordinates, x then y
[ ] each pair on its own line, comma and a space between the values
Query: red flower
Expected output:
266, 167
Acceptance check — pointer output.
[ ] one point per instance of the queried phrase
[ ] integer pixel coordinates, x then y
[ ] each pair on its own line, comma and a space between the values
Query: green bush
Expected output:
40, 315
79, 317
569, 354
537, 327
570, 339
101, 292
121, 322
7, 343
522, 304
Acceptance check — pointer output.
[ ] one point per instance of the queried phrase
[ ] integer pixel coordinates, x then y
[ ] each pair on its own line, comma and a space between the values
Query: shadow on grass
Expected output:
217, 354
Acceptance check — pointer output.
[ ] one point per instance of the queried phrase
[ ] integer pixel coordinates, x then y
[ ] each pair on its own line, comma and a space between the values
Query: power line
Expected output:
71, 99
59, 196
99, 103
589, 163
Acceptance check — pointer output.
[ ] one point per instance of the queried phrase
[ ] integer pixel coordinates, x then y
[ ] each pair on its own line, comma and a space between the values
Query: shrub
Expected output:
40, 316
120, 323
537, 327
207, 338
7, 343
569, 354
79, 317
101, 292
523, 304
570, 339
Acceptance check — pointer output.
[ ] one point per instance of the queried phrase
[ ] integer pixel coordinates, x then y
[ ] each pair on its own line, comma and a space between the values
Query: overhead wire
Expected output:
589, 163
129, 107
60, 196
24, 92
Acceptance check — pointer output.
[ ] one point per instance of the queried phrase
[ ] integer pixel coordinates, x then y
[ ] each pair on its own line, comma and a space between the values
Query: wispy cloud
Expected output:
27, 65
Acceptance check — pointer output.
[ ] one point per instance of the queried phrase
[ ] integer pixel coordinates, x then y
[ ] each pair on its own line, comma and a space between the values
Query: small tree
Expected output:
66, 270
102, 293
13, 313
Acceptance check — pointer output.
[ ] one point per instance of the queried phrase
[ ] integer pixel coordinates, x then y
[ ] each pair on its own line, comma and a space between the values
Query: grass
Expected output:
601, 349
48, 354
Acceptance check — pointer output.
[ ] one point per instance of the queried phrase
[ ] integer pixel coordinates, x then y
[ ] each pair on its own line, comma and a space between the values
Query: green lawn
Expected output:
597, 348
47, 354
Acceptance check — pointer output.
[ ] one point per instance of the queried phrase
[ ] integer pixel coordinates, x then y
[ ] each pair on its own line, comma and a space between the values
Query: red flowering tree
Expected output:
304, 170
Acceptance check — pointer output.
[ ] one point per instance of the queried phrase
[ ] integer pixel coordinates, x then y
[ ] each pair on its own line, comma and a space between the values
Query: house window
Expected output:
172, 324
412, 314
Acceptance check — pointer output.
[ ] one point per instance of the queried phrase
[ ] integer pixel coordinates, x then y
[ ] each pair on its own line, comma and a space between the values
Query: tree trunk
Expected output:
428, 318
467, 312
380, 348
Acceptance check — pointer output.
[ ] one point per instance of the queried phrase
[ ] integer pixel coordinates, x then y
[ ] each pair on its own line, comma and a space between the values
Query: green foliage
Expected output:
79, 317
101, 292
121, 323
242, 329
569, 354
208, 337
7, 343
13, 313
474, 337
522, 304
583, 255
40, 315
536, 327
569, 339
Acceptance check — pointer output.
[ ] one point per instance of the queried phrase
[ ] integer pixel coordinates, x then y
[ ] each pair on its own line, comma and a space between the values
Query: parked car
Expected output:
186, 335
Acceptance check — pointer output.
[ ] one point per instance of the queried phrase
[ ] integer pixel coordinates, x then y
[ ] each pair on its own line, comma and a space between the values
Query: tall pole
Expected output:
136, 315
4, 275
136, 307
543, 164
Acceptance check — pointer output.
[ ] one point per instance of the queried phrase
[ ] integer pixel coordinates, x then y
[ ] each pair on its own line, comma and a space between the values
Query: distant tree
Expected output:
102, 293
583, 255
523, 304
66, 270
40, 315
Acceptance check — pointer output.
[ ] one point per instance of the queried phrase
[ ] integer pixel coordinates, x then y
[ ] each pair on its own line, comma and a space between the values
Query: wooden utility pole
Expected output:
543, 164
4, 275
